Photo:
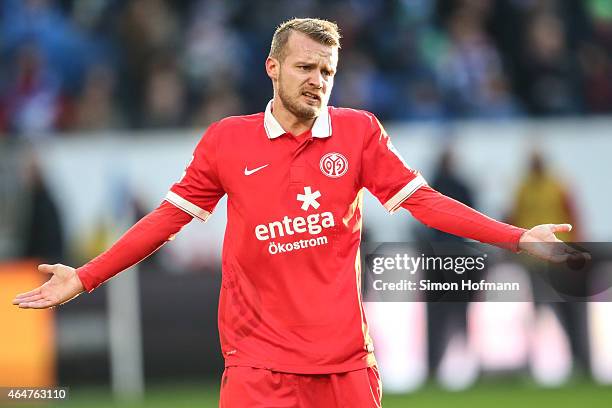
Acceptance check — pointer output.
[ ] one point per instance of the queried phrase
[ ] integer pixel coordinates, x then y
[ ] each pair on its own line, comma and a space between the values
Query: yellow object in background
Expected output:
27, 337
542, 198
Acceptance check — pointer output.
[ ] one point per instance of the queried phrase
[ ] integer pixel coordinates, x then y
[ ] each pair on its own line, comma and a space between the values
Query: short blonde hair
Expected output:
322, 31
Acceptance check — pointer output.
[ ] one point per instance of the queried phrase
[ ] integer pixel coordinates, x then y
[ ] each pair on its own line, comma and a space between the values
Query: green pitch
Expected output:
485, 395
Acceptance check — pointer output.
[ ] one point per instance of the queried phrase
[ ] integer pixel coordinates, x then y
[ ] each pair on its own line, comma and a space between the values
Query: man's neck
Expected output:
289, 122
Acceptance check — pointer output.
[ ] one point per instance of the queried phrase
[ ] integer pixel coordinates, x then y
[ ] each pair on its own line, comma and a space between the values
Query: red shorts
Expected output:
246, 387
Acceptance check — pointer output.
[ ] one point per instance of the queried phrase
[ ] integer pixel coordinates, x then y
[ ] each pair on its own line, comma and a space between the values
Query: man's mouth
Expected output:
311, 97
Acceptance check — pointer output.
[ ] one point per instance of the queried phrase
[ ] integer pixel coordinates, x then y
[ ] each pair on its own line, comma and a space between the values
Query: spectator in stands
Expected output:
95, 107
165, 95
471, 73
223, 100
32, 98
597, 69
145, 30
550, 76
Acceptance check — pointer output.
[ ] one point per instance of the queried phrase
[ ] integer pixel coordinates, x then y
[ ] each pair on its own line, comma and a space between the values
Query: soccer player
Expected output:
292, 327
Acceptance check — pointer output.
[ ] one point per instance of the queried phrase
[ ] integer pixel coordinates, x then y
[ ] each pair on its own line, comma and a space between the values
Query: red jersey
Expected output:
291, 292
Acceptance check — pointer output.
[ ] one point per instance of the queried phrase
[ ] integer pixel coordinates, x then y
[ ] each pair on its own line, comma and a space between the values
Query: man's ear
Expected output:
272, 68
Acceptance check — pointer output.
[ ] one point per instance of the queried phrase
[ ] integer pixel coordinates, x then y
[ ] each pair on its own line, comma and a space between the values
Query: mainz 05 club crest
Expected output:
333, 165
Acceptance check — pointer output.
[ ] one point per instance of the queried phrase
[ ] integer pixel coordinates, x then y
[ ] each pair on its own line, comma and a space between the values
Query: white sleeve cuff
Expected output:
186, 206
394, 202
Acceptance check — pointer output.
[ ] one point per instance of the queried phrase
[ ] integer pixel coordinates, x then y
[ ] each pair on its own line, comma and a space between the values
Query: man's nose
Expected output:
316, 79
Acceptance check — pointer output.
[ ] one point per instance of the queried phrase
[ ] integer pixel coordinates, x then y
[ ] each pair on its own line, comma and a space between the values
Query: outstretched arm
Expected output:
445, 214
140, 241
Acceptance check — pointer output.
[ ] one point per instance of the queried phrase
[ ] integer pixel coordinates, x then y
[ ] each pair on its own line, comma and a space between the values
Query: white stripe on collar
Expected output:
321, 127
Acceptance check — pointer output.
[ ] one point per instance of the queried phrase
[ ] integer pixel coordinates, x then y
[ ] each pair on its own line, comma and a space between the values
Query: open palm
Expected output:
63, 286
541, 242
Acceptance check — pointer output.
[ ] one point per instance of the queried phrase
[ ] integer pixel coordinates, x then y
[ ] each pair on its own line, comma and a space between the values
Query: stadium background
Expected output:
101, 103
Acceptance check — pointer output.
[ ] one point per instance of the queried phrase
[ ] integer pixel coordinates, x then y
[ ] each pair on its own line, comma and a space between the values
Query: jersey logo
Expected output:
333, 165
248, 172
309, 198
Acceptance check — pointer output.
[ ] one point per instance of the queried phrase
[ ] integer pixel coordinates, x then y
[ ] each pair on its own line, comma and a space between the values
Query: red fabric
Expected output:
445, 214
290, 254
140, 241
255, 387
200, 187
383, 171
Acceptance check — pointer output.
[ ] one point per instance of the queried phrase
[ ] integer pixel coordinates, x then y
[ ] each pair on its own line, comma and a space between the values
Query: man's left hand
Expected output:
541, 242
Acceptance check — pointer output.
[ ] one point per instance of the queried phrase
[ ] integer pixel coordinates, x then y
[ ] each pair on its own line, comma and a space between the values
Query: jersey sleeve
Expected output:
383, 171
140, 241
199, 190
453, 217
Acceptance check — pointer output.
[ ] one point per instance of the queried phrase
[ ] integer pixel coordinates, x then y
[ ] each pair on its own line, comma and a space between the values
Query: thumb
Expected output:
46, 268
561, 227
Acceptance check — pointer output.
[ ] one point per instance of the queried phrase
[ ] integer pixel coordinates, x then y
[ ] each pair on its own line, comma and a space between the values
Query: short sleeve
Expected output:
200, 189
383, 171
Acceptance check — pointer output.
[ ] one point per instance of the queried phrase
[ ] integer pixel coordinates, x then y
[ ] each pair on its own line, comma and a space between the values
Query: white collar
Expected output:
321, 128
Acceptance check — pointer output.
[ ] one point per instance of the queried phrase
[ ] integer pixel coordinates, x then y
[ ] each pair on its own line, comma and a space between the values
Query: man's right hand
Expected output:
63, 286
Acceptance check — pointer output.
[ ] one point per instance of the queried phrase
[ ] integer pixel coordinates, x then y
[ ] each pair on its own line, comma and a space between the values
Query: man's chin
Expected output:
307, 112
312, 111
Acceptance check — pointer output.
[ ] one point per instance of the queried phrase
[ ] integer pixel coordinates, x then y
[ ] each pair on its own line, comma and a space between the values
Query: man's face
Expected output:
305, 77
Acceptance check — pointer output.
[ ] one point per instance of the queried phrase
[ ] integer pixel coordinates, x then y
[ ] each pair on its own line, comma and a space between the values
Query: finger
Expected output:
559, 258
46, 268
577, 256
27, 299
39, 304
577, 253
30, 293
561, 227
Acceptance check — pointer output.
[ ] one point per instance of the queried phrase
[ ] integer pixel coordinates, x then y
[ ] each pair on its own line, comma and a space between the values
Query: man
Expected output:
544, 196
292, 327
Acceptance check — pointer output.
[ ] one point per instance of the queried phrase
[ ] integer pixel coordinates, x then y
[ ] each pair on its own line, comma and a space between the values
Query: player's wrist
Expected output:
81, 280
523, 238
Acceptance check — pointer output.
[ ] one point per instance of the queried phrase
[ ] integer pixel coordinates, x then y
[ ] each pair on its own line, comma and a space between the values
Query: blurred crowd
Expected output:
68, 65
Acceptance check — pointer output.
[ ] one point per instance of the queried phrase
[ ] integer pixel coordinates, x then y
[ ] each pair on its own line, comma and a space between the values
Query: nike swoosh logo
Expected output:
248, 172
